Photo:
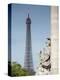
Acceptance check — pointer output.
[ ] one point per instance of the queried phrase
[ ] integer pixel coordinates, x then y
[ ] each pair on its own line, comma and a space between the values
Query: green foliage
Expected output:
17, 70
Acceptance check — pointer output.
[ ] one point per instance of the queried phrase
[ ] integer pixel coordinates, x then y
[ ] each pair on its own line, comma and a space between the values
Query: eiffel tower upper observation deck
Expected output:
28, 20
28, 61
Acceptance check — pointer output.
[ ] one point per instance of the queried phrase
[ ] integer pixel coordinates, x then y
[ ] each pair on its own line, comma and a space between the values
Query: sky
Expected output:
40, 30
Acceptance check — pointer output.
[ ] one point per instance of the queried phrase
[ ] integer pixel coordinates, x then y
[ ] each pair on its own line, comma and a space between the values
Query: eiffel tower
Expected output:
28, 60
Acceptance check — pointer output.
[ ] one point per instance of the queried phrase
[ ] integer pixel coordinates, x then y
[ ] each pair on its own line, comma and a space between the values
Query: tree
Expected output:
17, 70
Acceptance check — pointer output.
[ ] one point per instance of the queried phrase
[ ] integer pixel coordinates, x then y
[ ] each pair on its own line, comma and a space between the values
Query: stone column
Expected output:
54, 40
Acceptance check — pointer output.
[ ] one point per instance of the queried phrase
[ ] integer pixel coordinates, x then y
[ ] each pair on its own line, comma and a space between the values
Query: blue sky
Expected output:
40, 30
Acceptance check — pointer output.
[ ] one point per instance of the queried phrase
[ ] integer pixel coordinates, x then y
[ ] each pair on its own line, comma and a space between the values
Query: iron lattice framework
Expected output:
28, 62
